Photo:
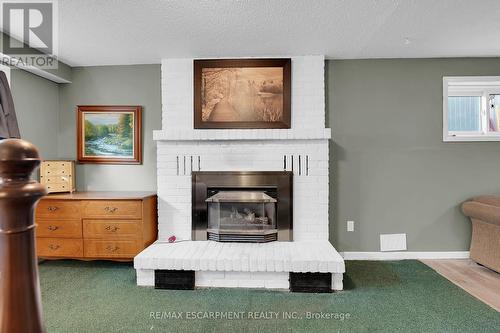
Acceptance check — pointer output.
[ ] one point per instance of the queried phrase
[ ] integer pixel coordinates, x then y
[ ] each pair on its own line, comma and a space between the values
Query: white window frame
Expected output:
470, 86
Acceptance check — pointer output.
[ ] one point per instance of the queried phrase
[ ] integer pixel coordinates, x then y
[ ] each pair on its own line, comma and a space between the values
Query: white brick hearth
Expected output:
264, 265
303, 149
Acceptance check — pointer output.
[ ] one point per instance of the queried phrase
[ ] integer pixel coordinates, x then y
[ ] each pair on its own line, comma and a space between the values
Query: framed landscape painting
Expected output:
242, 93
109, 134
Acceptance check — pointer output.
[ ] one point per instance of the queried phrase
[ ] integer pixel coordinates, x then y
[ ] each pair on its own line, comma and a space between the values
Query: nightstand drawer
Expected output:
59, 247
110, 229
111, 248
58, 209
57, 180
113, 209
58, 187
61, 168
59, 228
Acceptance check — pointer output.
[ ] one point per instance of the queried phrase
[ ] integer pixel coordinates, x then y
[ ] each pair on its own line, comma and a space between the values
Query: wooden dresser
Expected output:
95, 225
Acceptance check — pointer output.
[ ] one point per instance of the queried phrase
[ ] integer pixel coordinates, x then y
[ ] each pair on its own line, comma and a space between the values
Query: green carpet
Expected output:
404, 296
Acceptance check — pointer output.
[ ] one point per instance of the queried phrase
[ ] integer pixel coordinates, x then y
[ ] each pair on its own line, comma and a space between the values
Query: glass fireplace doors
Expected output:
242, 216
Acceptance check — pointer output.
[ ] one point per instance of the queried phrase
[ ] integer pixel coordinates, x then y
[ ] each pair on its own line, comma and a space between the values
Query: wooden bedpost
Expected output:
20, 302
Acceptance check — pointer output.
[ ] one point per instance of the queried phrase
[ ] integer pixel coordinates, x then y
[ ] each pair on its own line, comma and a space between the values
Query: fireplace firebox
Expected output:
242, 206
242, 216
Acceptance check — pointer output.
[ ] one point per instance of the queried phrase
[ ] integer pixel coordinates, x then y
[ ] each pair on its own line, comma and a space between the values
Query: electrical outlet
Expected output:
350, 225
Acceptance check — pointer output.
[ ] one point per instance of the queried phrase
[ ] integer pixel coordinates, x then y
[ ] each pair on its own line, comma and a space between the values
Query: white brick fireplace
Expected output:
302, 149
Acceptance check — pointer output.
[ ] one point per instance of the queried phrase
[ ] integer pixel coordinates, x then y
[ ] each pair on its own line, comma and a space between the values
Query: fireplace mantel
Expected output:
242, 135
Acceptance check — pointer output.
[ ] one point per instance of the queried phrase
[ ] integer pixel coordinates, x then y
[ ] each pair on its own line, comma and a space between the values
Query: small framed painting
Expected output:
242, 93
109, 134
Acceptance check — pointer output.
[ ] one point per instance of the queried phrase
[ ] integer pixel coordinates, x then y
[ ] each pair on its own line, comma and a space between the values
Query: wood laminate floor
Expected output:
479, 281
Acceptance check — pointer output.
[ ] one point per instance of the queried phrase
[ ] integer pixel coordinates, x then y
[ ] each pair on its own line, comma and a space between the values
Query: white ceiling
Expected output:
114, 32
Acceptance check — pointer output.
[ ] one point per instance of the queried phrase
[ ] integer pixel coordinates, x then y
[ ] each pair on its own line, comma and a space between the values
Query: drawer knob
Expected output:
112, 248
112, 228
52, 227
52, 208
110, 209
53, 247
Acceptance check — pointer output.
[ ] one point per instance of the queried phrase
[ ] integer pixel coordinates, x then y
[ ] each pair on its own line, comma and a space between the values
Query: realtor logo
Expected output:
29, 32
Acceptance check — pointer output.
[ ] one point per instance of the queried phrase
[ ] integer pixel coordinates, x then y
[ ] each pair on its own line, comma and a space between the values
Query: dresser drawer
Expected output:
111, 248
112, 209
59, 228
110, 229
59, 247
58, 209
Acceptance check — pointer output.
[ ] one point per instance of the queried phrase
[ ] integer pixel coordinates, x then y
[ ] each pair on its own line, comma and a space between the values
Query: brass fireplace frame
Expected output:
282, 181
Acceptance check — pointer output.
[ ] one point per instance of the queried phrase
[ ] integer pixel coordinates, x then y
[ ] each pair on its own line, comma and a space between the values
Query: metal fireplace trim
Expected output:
281, 180
231, 237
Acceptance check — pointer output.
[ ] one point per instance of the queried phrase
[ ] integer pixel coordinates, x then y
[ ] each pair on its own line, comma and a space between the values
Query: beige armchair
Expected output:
484, 212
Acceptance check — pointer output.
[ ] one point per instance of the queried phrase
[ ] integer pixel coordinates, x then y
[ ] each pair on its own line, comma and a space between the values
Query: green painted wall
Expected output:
37, 108
112, 85
390, 170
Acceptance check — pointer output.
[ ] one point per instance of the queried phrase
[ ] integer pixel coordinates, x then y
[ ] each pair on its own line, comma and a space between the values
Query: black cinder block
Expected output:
311, 282
174, 280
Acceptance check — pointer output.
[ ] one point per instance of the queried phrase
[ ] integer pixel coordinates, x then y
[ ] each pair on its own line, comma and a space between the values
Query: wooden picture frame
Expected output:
109, 134
242, 93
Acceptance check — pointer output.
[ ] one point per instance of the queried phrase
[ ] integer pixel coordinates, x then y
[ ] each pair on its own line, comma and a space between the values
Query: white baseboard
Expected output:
401, 255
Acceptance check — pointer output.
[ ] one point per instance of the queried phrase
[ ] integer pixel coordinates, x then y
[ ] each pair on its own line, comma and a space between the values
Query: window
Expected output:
471, 108
464, 114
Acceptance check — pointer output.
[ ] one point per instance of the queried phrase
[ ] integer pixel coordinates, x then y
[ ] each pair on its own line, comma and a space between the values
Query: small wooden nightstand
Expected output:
58, 176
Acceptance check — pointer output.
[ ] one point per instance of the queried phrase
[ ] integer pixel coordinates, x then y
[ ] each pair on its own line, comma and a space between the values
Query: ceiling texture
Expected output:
118, 32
